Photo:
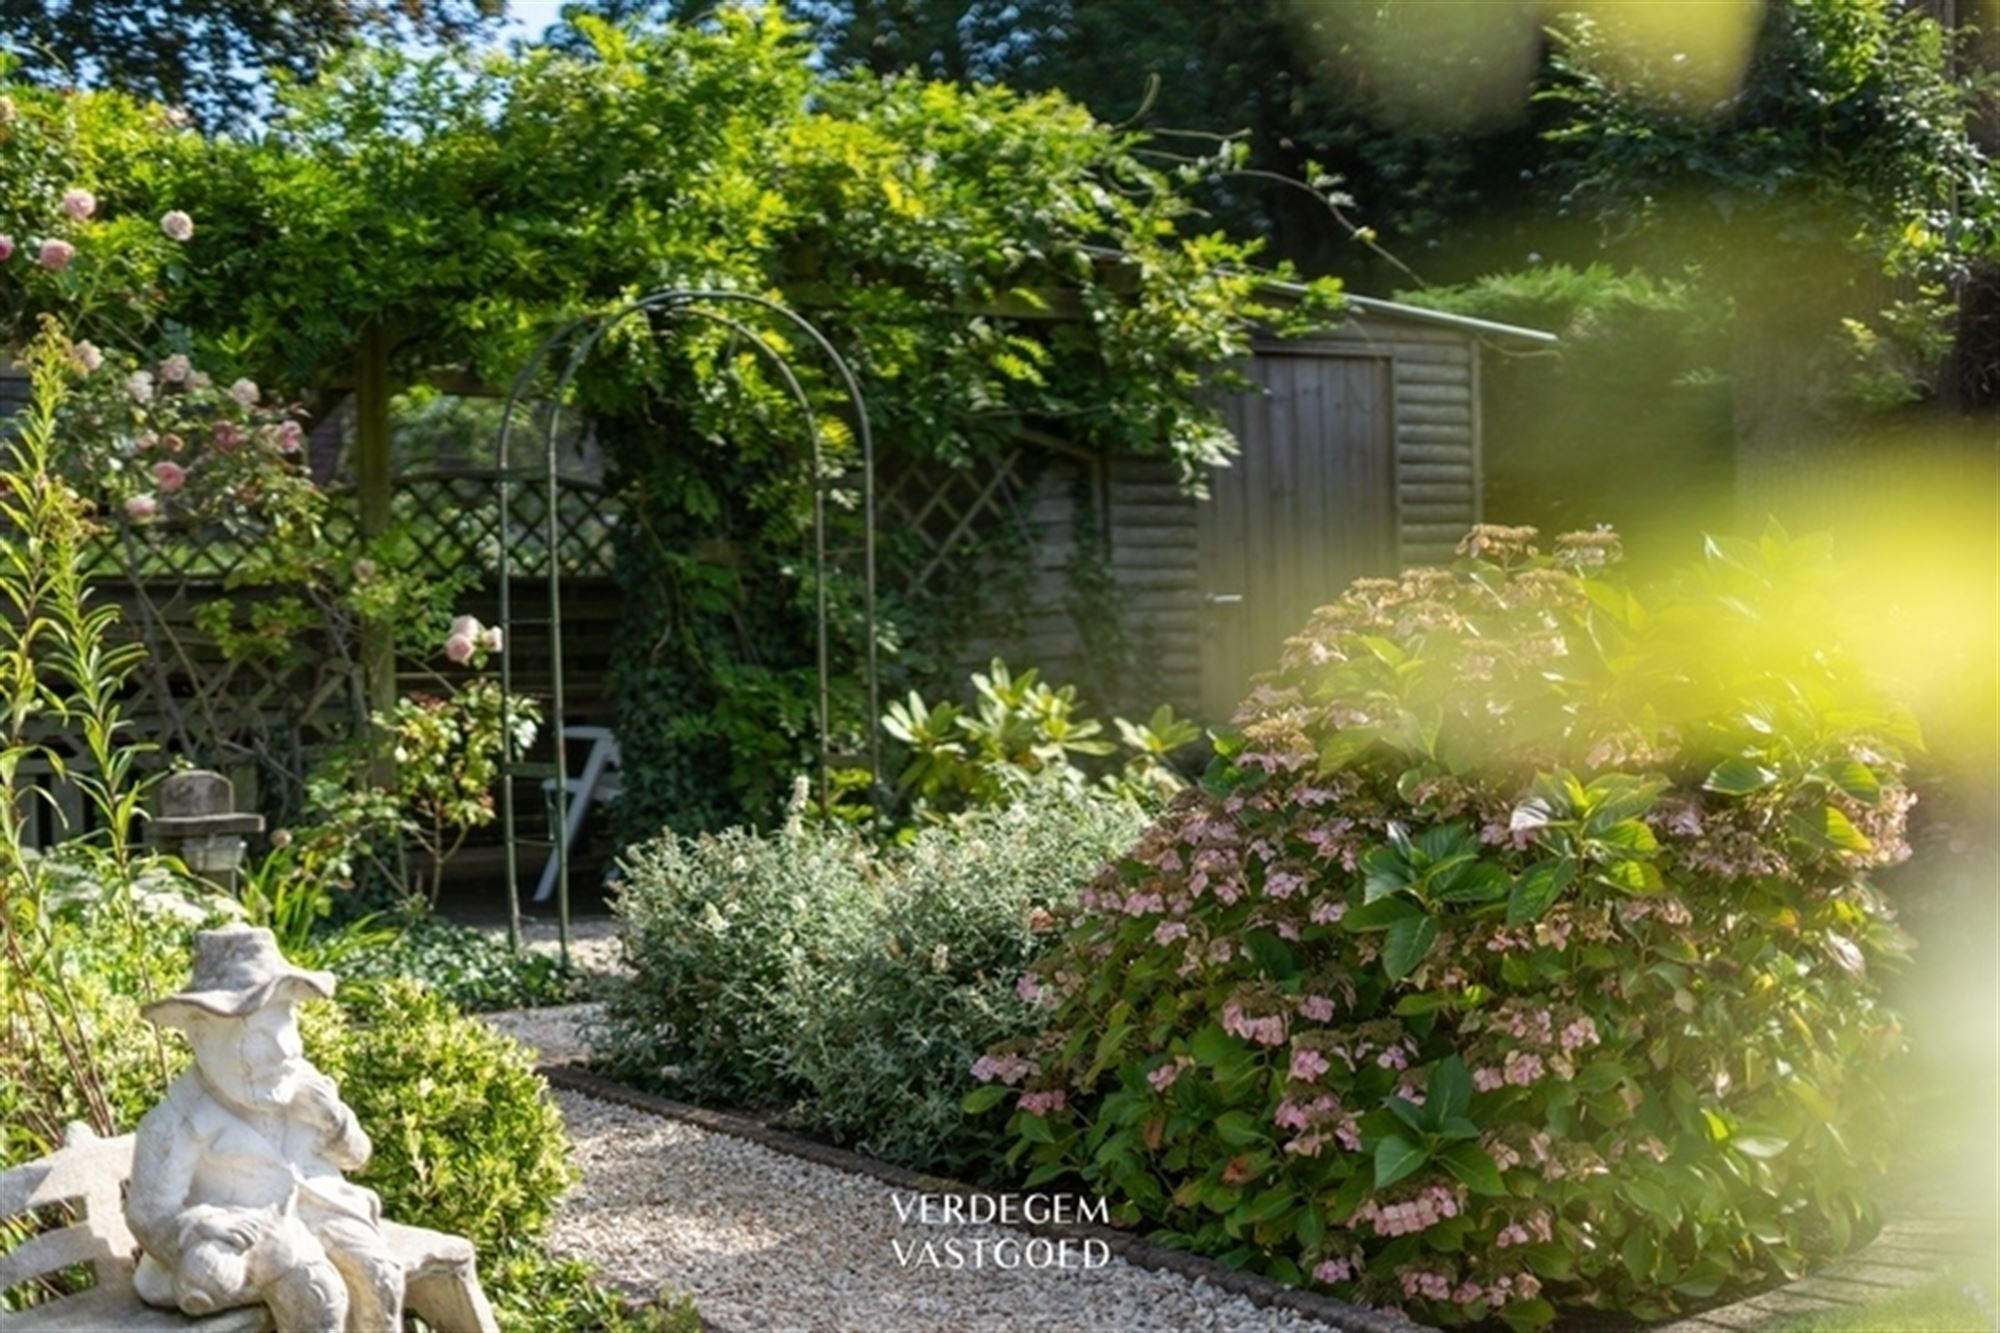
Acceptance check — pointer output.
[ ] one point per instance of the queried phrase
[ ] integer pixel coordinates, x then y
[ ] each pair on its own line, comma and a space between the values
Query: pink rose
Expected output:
175, 369
227, 437
459, 648
466, 626
141, 507
177, 225
86, 356
55, 255
169, 477
289, 436
6, 248
79, 204
139, 387
489, 638
200, 380
244, 392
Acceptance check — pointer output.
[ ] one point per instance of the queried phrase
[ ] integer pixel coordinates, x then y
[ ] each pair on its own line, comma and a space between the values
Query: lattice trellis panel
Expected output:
453, 519
948, 511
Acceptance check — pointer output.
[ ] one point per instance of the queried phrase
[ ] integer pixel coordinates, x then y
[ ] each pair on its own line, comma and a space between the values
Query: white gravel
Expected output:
596, 946
555, 1034
766, 1241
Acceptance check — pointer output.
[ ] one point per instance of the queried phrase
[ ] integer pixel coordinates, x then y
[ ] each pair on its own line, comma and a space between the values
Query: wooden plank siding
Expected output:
1309, 505
1361, 457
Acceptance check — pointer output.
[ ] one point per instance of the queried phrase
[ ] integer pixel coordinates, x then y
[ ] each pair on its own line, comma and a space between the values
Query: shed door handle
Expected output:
1225, 599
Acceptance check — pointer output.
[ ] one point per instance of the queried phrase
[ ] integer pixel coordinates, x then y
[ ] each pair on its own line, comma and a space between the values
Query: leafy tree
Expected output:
1280, 76
215, 57
1839, 188
988, 261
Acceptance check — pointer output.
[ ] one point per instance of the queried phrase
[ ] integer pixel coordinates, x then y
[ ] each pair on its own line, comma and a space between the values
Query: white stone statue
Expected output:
237, 1193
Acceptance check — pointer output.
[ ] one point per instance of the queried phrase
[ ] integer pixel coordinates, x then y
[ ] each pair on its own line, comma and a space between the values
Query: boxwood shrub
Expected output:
1519, 952
466, 1139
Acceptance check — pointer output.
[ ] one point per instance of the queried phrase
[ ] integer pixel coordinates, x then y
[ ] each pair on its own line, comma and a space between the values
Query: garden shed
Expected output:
1361, 455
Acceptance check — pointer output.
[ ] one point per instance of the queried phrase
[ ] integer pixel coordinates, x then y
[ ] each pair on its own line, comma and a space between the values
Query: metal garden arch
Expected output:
584, 335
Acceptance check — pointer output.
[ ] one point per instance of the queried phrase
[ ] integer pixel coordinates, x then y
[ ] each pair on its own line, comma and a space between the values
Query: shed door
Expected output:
1308, 506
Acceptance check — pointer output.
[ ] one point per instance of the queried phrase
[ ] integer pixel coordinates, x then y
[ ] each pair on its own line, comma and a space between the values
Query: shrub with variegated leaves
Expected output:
1519, 953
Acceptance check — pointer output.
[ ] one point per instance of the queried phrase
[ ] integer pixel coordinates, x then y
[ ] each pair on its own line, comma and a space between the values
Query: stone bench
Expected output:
89, 1174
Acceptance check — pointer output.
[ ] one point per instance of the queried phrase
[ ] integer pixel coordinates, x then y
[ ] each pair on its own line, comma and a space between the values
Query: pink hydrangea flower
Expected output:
1164, 1077
1308, 1065
1333, 1270
79, 203
141, 507
1044, 1101
6, 247
1009, 1069
1522, 1068
177, 225
1283, 884
169, 477
55, 255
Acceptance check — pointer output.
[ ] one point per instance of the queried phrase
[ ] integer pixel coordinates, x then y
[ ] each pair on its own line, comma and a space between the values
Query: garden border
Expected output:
1132, 1249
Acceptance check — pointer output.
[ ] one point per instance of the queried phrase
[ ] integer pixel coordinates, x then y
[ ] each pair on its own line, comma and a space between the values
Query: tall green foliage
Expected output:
987, 260
1838, 194
208, 55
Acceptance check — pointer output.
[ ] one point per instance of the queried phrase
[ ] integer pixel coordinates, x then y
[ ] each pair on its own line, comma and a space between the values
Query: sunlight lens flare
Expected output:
1449, 64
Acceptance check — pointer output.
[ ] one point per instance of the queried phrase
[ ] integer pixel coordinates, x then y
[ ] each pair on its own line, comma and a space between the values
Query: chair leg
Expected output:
450, 1303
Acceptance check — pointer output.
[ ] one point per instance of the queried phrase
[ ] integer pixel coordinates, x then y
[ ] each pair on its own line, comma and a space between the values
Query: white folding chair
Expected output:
595, 784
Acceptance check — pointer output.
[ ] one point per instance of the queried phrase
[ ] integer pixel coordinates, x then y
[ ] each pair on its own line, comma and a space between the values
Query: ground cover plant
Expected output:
1521, 952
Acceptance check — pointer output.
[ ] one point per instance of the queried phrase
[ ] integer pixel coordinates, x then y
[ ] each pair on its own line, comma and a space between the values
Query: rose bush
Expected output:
1520, 951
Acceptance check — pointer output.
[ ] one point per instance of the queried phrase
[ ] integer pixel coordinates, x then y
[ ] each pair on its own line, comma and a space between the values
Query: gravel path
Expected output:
764, 1241
594, 944
556, 1034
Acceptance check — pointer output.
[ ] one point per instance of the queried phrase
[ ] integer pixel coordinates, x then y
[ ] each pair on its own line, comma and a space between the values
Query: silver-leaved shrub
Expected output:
1520, 953
847, 983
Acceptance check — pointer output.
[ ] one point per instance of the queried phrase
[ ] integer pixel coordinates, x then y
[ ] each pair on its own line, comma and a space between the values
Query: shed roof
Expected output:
1373, 305
1381, 309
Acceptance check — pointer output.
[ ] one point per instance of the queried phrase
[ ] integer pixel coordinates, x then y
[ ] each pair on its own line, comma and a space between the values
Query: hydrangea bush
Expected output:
1520, 952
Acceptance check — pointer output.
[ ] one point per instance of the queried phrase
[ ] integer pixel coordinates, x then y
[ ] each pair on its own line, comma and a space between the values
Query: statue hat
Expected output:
237, 971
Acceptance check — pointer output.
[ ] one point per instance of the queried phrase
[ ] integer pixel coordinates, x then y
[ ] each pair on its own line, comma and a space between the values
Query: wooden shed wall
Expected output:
1153, 531
1435, 377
